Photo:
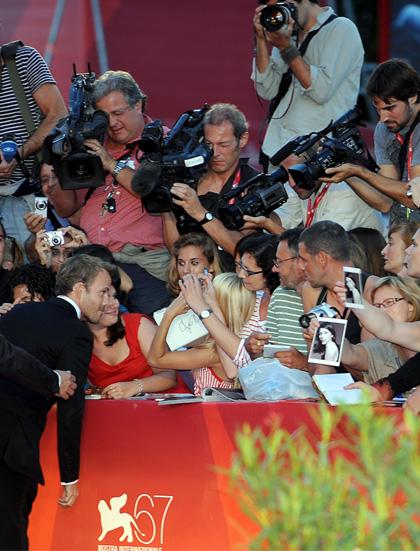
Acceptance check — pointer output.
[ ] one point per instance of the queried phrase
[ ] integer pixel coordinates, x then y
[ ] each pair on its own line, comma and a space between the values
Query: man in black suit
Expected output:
53, 333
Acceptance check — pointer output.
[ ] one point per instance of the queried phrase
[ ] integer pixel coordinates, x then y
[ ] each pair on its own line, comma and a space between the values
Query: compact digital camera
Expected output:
41, 206
55, 238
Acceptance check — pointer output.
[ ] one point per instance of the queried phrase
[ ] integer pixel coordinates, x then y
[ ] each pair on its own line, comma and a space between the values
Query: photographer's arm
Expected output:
271, 223
190, 202
378, 322
385, 182
51, 104
267, 70
53, 108
170, 231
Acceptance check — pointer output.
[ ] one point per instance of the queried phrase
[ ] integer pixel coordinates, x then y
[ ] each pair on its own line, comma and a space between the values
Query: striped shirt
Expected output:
284, 311
254, 324
33, 72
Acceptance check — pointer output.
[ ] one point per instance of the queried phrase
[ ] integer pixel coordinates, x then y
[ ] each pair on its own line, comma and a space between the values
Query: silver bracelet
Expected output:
289, 54
140, 390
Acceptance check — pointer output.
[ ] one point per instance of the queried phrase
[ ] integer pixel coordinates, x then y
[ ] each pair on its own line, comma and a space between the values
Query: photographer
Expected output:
394, 89
46, 107
322, 81
226, 132
113, 215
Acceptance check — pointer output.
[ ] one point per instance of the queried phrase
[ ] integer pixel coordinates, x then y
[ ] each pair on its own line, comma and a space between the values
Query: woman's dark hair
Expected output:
39, 281
319, 347
262, 248
372, 242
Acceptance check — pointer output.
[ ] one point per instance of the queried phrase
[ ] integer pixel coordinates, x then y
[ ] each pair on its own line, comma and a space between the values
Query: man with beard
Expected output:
394, 88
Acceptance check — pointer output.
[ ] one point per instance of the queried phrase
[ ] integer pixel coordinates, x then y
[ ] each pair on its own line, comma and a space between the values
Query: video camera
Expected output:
180, 157
276, 16
74, 166
322, 310
345, 145
264, 193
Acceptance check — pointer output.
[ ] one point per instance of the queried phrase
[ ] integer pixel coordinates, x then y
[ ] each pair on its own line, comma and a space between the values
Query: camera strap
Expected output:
286, 79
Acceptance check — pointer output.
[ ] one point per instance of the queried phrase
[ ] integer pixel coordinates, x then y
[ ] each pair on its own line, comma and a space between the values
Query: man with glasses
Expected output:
285, 307
112, 215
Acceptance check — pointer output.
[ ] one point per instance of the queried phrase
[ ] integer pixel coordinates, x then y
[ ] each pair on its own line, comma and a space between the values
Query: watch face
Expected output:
205, 314
209, 216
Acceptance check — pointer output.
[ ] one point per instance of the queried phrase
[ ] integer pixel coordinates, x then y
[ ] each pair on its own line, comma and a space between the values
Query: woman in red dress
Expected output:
118, 364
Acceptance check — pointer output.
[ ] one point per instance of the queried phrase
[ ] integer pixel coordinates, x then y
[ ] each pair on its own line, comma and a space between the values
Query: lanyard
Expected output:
409, 156
235, 184
310, 212
409, 163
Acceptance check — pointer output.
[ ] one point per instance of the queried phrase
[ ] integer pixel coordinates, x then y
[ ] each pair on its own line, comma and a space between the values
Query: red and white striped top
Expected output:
205, 376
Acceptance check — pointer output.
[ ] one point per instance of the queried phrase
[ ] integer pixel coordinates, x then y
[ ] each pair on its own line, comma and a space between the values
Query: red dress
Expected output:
134, 366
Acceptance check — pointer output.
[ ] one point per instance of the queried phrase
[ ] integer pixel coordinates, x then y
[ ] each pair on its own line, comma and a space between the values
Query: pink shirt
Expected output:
129, 224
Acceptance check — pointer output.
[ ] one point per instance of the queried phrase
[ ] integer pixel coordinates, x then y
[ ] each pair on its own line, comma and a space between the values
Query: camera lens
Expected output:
303, 177
274, 17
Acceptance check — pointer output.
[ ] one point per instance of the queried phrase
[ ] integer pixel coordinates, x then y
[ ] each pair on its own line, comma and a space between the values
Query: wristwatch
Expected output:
118, 167
205, 314
208, 217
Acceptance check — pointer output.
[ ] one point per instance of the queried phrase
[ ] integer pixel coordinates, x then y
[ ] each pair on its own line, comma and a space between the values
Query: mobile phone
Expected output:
270, 349
41, 206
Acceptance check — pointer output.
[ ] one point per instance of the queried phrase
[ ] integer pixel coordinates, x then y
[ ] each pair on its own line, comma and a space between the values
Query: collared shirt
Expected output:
73, 303
340, 204
130, 223
335, 56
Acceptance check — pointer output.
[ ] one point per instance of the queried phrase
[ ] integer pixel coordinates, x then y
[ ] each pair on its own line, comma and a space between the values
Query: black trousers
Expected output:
17, 494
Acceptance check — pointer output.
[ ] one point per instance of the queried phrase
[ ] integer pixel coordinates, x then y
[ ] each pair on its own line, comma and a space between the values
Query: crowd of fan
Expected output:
248, 286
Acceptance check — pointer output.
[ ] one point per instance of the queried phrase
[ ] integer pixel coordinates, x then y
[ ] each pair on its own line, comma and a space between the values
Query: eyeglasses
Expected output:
120, 112
248, 272
388, 302
277, 262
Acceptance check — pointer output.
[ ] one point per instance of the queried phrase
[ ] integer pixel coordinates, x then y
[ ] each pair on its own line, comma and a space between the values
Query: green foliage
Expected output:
357, 486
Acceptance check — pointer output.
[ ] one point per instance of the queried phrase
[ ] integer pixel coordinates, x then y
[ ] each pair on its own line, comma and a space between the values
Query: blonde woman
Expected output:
224, 301
376, 358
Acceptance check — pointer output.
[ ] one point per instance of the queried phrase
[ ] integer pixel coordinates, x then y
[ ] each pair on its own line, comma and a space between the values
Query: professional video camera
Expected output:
277, 16
180, 157
345, 145
323, 310
74, 166
264, 193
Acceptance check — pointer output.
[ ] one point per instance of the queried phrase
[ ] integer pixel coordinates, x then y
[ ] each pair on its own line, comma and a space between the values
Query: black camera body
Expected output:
74, 166
181, 156
345, 145
263, 194
277, 16
322, 310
